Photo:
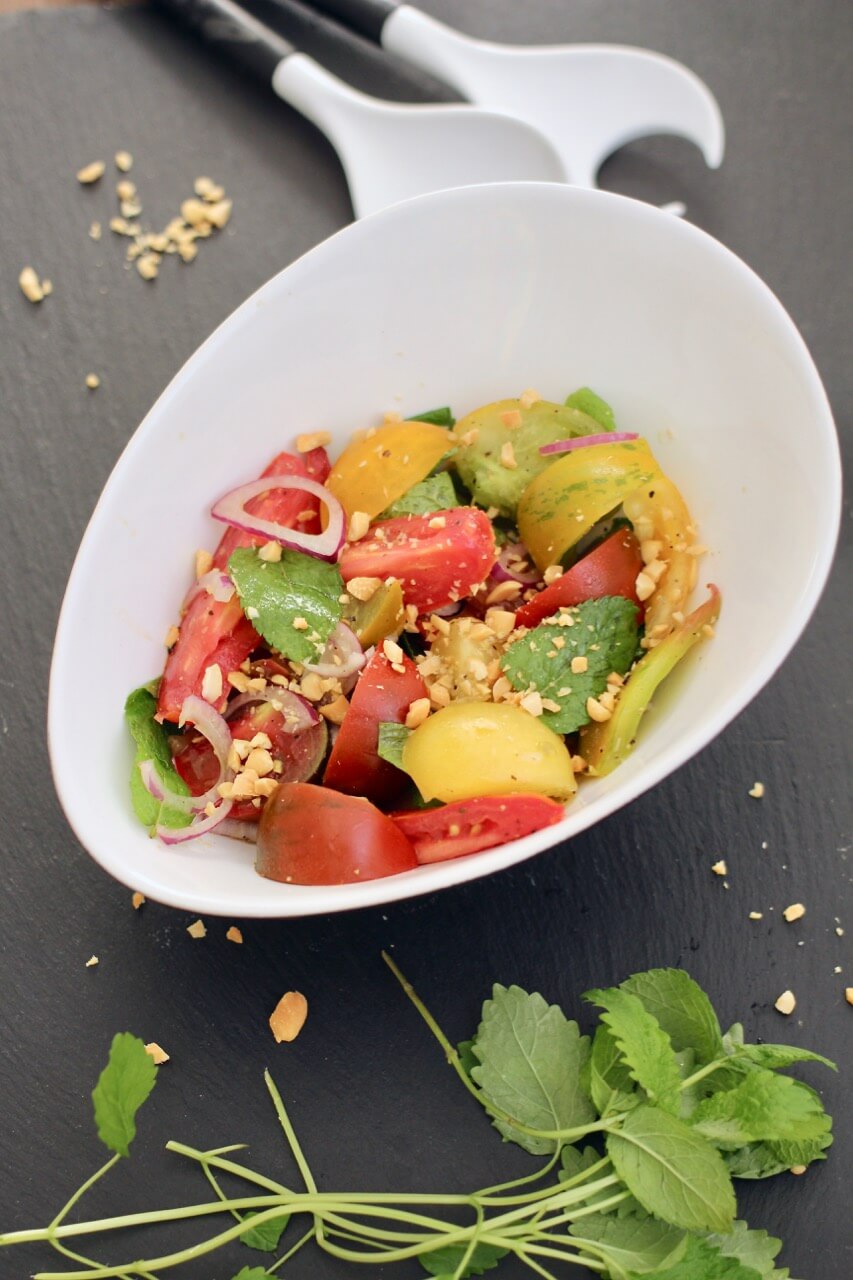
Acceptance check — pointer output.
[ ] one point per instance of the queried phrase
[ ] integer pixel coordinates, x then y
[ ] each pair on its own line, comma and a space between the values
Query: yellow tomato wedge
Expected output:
380, 616
605, 745
662, 523
563, 502
485, 749
376, 470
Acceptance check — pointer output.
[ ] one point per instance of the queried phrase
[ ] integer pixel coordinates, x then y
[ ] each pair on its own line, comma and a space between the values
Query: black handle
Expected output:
228, 27
367, 17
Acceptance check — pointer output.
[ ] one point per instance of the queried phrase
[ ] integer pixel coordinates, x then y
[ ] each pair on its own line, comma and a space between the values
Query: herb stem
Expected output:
488, 1193
81, 1190
290, 1133
545, 1192
285, 1257
227, 1166
704, 1071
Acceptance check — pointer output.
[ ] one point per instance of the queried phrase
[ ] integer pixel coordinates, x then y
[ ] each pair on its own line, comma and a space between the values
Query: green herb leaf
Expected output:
610, 1082
777, 1056
465, 1050
673, 1171
441, 1262
681, 1007
280, 593
266, 1235
754, 1248
766, 1159
442, 417
251, 1273
644, 1046
435, 493
530, 1059
704, 1261
603, 631
391, 740
593, 406
123, 1085
152, 743
763, 1107
640, 1245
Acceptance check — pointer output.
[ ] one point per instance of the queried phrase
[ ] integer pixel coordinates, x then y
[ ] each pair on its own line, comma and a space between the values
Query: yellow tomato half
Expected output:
375, 471
485, 749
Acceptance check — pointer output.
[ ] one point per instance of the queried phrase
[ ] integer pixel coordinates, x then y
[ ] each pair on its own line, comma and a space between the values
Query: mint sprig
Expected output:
293, 602
632, 1185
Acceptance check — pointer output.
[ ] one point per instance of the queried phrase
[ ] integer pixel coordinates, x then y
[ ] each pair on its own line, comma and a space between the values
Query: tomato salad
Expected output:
417, 651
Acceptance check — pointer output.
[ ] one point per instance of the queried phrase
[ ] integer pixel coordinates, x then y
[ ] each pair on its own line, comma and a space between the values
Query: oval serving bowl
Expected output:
459, 298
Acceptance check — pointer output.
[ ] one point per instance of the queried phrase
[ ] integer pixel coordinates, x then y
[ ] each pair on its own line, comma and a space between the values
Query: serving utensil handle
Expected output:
367, 17
225, 25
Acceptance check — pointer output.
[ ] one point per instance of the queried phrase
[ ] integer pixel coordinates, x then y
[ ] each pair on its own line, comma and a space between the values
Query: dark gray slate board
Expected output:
370, 1095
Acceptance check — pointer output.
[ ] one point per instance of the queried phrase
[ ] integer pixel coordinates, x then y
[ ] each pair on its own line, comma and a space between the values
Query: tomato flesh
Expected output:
436, 564
381, 694
215, 631
610, 569
312, 835
469, 826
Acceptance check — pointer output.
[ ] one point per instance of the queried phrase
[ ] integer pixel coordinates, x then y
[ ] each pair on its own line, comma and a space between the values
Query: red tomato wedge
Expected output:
381, 694
609, 570
310, 835
213, 631
435, 563
468, 826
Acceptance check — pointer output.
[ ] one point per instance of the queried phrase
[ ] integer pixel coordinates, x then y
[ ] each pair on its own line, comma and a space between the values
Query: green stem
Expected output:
81, 1190
485, 1196
285, 1257
218, 1190
290, 1133
546, 1191
472, 1245
704, 1071
228, 1166
574, 1259
552, 1135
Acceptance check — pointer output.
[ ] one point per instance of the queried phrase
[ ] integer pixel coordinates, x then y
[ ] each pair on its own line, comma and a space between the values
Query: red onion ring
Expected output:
503, 572
199, 827
231, 509
236, 829
297, 712
580, 442
212, 726
342, 645
449, 610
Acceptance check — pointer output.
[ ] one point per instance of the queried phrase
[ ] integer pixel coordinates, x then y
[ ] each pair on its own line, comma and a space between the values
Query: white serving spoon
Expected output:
587, 100
389, 152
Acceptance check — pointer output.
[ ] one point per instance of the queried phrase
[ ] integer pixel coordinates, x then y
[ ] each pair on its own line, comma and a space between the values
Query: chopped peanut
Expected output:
313, 440
288, 1017
796, 911
358, 526
417, 713
335, 711
154, 1051
137, 900
91, 172
786, 1003
234, 934
508, 456
363, 588
270, 552
197, 929
31, 287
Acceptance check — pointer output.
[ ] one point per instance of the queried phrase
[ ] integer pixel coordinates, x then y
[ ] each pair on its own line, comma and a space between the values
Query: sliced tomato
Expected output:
436, 563
381, 695
610, 569
217, 631
469, 826
311, 835
301, 754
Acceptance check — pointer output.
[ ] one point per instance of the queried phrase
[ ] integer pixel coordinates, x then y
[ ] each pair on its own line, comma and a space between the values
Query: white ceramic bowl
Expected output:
459, 298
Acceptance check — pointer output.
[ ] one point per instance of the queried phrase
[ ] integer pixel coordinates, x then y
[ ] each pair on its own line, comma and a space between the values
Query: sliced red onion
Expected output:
236, 829
580, 442
199, 827
342, 657
503, 570
216, 583
232, 510
297, 712
207, 720
449, 610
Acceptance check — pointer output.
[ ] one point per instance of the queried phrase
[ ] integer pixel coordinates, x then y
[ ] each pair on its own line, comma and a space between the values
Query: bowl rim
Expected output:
292, 901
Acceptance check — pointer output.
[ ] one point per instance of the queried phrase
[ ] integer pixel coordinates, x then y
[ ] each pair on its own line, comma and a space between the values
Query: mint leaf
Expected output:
754, 1248
266, 1235
704, 1261
603, 631
593, 406
610, 1082
152, 743
681, 1007
672, 1170
391, 740
644, 1046
777, 1056
123, 1085
442, 417
435, 493
766, 1159
251, 1273
280, 594
763, 1107
530, 1058
639, 1245
445, 1262
465, 1050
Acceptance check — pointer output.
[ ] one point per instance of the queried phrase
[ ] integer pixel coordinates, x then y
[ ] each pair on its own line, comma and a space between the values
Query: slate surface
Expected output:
370, 1095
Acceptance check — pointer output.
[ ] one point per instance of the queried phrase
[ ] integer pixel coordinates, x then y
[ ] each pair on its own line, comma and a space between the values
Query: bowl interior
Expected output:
459, 298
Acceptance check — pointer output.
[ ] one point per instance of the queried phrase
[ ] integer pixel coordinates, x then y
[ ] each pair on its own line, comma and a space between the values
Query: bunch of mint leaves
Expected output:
639, 1131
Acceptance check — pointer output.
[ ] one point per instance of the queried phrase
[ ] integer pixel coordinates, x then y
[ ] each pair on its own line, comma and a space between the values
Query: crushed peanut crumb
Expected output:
95, 231
579, 664
91, 172
92, 381
757, 790
288, 1017
31, 287
358, 526
363, 588
644, 586
335, 710
417, 712
392, 651
786, 1003
596, 711
798, 1170
234, 934
159, 1055
511, 418
211, 685
148, 266
270, 552
313, 440
532, 703
503, 592
137, 900
528, 398
720, 868
123, 161
848, 994
299, 624
197, 929
796, 911
552, 573
508, 456
91, 962
756, 915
